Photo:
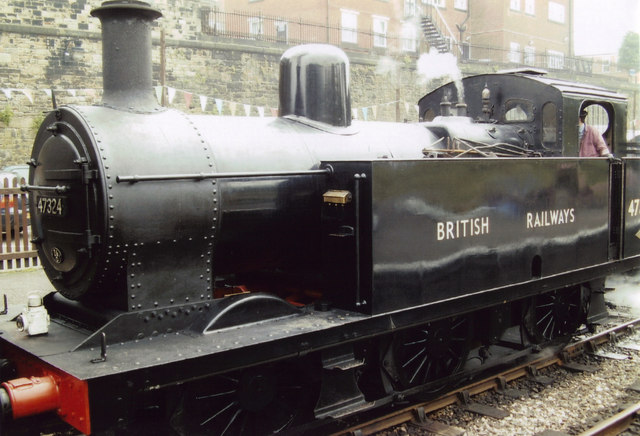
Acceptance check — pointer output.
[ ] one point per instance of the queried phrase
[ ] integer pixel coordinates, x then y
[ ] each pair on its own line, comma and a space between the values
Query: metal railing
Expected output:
259, 27
285, 30
16, 249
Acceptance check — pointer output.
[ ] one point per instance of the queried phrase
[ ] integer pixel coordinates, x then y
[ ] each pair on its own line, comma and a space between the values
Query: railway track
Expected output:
418, 413
617, 423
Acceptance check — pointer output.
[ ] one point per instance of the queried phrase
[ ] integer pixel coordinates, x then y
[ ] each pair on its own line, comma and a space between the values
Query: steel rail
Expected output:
616, 424
494, 382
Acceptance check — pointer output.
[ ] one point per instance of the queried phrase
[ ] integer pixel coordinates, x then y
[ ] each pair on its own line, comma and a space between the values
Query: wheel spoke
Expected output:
555, 314
427, 371
221, 411
458, 324
415, 374
231, 421
544, 332
407, 363
549, 313
424, 354
421, 341
221, 394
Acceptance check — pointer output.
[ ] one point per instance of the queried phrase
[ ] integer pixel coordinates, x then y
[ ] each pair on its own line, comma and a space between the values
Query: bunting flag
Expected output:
187, 99
27, 94
171, 93
368, 112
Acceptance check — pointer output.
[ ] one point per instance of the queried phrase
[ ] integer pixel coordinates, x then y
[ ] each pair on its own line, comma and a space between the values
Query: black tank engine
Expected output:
228, 275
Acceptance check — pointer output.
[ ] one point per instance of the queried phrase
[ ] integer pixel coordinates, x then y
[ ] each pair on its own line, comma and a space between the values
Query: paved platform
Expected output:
17, 284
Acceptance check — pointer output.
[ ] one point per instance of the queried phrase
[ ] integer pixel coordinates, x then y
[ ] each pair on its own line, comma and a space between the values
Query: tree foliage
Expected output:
629, 53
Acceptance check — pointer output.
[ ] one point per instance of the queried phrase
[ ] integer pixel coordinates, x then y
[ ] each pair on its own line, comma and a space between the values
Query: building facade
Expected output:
534, 33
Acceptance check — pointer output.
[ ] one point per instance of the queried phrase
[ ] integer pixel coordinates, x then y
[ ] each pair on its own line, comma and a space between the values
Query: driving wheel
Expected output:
429, 352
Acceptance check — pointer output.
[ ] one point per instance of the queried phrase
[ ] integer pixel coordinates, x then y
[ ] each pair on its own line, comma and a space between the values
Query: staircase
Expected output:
434, 37
436, 30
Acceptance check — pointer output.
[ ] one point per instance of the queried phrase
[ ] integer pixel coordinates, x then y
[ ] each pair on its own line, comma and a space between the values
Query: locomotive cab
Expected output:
493, 108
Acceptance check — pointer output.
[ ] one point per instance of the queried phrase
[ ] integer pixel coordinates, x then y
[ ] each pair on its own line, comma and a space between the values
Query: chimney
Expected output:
126, 54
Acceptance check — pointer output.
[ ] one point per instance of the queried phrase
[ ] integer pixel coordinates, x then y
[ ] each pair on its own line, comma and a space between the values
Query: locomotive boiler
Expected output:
228, 275
126, 179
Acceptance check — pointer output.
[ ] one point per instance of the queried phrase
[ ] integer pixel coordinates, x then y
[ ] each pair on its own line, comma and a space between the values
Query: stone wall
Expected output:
55, 45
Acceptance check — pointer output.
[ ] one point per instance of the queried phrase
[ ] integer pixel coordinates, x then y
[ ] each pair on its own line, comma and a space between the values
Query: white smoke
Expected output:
435, 65
627, 291
388, 66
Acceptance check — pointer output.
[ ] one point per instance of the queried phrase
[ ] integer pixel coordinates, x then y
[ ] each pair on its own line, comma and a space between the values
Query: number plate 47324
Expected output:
55, 206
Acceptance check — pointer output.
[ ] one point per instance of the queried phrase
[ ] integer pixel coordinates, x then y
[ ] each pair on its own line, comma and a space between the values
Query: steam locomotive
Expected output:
228, 275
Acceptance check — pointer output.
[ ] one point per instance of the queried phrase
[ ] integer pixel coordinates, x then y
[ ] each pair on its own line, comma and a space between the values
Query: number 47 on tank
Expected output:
634, 207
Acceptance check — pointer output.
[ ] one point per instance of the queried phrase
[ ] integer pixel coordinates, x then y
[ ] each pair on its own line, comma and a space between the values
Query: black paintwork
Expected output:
631, 208
140, 244
444, 228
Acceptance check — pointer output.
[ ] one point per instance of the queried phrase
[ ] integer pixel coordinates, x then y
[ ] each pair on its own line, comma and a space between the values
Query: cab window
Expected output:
549, 125
516, 111
597, 117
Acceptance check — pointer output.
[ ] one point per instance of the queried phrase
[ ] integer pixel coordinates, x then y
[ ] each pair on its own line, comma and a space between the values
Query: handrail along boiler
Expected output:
242, 275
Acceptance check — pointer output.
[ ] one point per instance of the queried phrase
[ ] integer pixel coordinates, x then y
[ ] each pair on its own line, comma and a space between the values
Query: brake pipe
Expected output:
30, 396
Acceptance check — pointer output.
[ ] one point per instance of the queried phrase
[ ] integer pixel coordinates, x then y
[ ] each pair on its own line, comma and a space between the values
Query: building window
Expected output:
437, 3
556, 12
281, 31
255, 26
529, 55
514, 53
380, 25
606, 65
555, 59
530, 7
409, 37
514, 5
409, 8
463, 5
349, 26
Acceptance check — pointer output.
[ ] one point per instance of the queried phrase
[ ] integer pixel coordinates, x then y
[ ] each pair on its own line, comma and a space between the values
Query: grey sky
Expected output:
600, 25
